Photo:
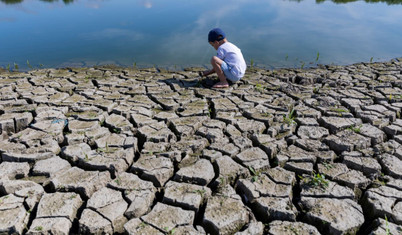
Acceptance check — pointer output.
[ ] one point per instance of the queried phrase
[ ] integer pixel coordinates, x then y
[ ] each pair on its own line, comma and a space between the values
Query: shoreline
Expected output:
123, 150
178, 67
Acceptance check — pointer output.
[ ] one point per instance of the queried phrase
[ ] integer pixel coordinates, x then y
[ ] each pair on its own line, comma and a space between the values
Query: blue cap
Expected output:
216, 34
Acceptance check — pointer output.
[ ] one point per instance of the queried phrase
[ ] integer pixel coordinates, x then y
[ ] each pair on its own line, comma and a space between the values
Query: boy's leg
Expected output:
213, 70
216, 65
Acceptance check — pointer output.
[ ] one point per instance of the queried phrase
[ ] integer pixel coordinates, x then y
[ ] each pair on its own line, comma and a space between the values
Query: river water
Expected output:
173, 33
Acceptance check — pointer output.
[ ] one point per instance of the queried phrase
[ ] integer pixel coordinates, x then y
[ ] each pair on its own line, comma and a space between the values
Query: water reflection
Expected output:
148, 4
272, 33
20, 1
389, 2
11, 1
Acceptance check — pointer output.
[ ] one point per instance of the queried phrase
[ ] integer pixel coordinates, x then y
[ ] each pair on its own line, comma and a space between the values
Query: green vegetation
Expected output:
117, 180
38, 228
12, 1
86, 159
355, 129
266, 114
29, 65
379, 181
290, 117
200, 191
328, 165
117, 131
106, 149
396, 97
255, 174
169, 231
259, 87
86, 79
142, 225
20, 1
18, 136
387, 232
61, 187
339, 110
209, 114
292, 229
222, 181
303, 63
316, 180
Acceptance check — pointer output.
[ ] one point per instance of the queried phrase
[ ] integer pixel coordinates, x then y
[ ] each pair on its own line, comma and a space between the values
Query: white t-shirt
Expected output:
232, 55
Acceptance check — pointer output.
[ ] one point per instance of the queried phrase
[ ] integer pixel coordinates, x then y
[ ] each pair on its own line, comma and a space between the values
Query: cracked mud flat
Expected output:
143, 151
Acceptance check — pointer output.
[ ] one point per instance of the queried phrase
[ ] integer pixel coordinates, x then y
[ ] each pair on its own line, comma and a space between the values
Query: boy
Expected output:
228, 62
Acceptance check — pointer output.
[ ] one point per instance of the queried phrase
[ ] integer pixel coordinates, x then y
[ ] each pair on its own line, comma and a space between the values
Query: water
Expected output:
173, 33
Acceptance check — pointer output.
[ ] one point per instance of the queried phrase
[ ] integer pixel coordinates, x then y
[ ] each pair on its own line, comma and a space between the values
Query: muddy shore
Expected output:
107, 150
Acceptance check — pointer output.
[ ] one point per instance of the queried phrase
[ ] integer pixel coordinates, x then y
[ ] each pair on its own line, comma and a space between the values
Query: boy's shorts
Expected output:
228, 73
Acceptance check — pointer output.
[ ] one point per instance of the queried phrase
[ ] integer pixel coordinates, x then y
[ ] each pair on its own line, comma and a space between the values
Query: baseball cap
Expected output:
216, 34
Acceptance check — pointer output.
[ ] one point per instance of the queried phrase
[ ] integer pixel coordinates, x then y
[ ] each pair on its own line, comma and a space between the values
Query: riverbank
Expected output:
147, 151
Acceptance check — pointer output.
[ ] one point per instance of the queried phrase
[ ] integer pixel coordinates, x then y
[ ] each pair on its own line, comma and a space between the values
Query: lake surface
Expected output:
173, 33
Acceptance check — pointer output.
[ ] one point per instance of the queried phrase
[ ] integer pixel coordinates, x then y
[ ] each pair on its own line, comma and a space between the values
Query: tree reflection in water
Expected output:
20, 1
389, 2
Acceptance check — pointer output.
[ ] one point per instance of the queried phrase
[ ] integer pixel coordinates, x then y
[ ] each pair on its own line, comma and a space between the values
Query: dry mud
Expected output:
144, 151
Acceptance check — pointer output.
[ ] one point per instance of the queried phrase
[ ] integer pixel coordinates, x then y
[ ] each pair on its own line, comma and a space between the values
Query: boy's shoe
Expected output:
221, 85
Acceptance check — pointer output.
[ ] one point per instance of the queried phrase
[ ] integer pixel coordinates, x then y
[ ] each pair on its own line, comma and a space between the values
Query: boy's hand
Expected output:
206, 73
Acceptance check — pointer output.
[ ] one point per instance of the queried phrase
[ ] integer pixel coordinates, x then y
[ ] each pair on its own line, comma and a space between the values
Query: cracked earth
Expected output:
109, 150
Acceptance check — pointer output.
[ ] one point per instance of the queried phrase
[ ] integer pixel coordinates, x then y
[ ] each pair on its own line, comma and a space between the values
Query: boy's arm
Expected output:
207, 72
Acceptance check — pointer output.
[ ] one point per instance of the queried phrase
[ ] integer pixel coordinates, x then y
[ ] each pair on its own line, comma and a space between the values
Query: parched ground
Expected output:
143, 151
